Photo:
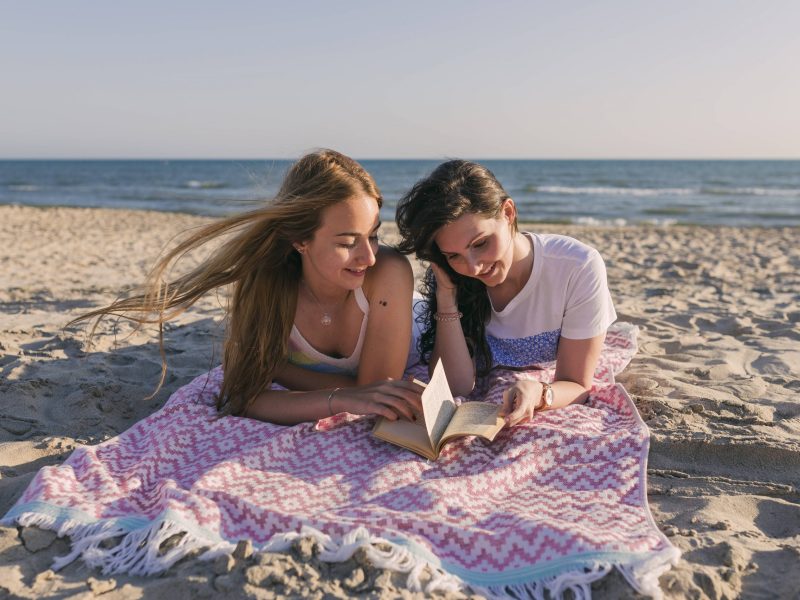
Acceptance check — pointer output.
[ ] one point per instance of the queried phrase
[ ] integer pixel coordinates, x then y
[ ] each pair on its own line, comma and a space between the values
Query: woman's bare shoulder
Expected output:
391, 270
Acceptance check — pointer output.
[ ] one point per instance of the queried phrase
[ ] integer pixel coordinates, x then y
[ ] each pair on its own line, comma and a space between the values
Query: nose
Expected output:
367, 255
474, 265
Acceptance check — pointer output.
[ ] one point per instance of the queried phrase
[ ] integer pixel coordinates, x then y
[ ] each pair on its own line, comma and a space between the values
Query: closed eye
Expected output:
372, 238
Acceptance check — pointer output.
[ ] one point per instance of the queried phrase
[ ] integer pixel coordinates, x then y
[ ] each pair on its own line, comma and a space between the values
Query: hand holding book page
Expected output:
441, 420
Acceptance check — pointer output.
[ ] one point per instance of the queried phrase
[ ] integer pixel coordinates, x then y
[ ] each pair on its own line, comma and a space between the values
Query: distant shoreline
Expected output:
384, 159
554, 191
390, 224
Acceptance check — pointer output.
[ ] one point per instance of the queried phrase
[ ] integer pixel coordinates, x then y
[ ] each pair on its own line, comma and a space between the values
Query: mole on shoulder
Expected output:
383, 303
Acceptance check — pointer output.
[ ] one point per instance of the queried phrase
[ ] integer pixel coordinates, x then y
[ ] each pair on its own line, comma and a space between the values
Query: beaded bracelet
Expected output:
444, 317
330, 399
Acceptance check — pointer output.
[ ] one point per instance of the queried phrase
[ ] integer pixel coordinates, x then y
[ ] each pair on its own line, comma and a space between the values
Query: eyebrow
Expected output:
356, 233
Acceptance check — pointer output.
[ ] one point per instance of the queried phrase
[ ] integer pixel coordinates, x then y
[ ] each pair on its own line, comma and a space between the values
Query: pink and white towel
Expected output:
550, 505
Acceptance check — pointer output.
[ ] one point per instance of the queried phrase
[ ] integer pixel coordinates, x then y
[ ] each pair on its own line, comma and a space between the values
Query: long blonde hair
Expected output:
261, 263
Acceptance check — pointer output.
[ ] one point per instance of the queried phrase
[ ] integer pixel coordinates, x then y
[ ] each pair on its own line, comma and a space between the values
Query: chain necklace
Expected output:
326, 317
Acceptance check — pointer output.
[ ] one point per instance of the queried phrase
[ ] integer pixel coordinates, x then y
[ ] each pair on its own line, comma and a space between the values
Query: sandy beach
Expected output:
716, 379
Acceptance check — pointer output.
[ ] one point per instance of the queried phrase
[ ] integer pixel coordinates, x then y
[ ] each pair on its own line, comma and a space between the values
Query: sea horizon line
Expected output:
397, 159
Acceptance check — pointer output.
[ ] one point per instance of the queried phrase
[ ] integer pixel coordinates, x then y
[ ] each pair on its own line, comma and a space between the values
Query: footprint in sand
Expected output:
778, 519
16, 425
782, 366
7, 359
120, 360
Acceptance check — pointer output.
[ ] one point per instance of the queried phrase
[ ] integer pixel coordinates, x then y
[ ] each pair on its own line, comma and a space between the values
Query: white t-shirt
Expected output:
566, 295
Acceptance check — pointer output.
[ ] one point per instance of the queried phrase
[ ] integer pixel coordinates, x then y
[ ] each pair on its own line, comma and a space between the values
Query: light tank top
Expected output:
303, 354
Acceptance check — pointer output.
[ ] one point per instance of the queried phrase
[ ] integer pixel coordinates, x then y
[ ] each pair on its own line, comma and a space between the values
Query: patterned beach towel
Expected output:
550, 505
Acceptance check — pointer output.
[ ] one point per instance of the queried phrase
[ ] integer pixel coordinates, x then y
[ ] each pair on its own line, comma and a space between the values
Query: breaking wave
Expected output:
614, 191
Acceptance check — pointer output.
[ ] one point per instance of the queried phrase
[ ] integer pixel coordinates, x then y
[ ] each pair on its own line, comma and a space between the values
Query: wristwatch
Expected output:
547, 397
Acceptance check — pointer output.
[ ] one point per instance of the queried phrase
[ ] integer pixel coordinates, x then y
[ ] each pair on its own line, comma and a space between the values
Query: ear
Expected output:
509, 210
300, 247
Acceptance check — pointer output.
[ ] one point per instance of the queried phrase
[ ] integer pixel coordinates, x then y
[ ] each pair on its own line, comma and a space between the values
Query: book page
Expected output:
410, 435
475, 418
437, 405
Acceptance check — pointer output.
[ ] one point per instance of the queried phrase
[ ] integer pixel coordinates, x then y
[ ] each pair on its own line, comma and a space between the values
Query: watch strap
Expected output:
546, 401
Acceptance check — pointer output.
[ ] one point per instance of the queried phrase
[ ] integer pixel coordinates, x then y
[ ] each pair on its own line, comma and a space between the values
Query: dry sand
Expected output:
716, 379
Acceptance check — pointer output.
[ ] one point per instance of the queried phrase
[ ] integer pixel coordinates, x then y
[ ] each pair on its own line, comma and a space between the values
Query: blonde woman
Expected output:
316, 305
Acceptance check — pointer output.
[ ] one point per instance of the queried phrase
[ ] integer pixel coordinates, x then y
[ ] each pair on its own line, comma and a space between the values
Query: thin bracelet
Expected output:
451, 316
330, 399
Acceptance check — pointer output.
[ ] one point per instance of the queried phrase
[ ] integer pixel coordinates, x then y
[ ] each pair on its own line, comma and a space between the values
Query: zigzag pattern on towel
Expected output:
568, 484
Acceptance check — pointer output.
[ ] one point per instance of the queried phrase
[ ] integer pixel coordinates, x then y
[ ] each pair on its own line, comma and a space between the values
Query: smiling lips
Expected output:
488, 272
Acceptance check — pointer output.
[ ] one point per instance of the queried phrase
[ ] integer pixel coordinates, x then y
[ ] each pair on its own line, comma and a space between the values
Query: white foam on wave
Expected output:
23, 187
619, 222
751, 191
204, 185
595, 222
615, 191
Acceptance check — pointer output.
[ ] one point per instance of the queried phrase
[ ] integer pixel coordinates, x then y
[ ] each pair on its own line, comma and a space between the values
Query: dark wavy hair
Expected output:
455, 188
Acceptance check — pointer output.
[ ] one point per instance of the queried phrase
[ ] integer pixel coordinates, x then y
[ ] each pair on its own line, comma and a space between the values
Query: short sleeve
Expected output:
589, 309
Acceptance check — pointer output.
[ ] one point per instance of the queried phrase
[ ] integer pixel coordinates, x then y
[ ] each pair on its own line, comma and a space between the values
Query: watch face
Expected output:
548, 396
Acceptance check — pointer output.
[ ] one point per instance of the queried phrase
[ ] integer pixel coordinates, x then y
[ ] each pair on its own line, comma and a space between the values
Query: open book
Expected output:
441, 420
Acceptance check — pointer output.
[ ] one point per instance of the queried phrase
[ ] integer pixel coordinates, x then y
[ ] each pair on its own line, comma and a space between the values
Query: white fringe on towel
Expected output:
642, 576
139, 552
390, 556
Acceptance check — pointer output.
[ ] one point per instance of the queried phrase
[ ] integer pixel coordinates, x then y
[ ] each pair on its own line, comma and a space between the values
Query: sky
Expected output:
410, 79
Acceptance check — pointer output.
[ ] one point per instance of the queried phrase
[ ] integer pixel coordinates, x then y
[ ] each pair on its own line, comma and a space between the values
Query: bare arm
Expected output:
390, 399
388, 336
576, 362
450, 345
297, 378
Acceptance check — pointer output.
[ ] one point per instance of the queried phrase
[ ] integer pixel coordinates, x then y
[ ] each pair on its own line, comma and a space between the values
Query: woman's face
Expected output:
344, 246
478, 246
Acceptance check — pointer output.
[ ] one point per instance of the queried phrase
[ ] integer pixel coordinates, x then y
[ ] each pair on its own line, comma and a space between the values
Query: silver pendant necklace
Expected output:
326, 317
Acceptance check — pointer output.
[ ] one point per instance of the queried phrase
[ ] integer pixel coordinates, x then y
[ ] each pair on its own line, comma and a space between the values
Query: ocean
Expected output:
591, 192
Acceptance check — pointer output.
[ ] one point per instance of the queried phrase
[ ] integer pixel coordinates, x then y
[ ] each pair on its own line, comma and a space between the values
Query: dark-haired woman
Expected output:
499, 297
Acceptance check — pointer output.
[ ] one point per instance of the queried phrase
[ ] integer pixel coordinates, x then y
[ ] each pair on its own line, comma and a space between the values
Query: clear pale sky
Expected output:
236, 79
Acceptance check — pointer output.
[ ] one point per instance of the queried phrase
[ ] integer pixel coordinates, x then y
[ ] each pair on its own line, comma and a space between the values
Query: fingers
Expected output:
508, 401
412, 384
517, 418
402, 398
390, 407
442, 278
391, 399
401, 408
408, 391
517, 406
381, 410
